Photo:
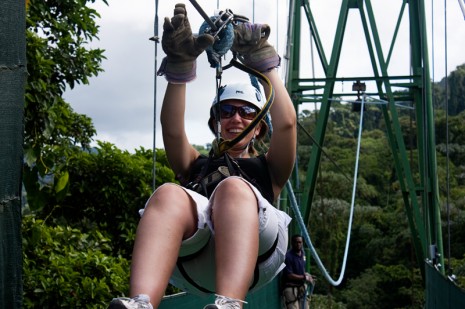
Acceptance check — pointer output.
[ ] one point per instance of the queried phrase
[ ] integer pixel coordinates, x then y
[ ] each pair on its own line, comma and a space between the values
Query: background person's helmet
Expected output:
243, 92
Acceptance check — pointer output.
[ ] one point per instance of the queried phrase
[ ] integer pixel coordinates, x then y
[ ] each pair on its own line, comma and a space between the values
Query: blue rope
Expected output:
303, 228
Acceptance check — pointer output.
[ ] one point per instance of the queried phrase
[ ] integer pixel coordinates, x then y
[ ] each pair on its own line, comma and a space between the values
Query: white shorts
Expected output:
195, 269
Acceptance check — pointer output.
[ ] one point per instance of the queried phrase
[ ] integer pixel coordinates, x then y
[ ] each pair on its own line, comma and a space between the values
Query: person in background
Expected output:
295, 279
218, 232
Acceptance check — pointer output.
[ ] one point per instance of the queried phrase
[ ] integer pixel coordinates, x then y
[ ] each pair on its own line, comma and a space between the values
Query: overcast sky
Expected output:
121, 102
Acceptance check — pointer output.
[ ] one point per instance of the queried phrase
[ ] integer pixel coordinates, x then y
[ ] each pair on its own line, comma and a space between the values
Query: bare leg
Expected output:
169, 218
235, 218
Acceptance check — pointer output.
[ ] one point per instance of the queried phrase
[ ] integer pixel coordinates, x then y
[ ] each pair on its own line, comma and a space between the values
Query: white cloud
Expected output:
120, 100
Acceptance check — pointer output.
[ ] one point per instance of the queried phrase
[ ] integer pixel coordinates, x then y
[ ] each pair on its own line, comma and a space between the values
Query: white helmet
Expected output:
242, 92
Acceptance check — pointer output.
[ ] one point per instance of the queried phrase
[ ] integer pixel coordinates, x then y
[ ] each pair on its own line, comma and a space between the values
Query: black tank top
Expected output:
254, 170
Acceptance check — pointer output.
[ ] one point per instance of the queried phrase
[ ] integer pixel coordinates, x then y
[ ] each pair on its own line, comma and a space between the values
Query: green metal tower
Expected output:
421, 197
12, 82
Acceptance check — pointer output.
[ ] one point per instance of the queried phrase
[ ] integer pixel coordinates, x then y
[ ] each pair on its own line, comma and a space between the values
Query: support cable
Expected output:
447, 139
303, 228
156, 40
432, 43
277, 24
462, 6
253, 11
322, 150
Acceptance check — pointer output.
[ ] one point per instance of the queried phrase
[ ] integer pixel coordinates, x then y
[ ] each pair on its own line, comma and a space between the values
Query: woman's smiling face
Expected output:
234, 123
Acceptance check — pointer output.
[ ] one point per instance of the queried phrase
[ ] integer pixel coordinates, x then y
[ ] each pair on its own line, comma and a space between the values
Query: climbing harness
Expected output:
299, 293
203, 182
207, 172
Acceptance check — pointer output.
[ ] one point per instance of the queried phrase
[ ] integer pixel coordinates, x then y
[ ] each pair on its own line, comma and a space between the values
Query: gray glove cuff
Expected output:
252, 47
262, 61
178, 72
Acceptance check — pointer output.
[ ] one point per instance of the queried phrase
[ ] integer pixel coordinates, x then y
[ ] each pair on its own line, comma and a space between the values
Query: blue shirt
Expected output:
295, 264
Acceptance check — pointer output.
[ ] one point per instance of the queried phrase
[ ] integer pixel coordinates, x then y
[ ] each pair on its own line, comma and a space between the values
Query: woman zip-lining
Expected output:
218, 231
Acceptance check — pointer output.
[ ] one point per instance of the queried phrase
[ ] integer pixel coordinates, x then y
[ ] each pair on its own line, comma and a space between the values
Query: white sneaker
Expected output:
223, 302
141, 301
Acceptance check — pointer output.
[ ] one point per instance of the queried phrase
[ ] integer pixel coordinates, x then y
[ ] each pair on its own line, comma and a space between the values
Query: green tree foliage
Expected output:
457, 90
64, 267
203, 149
458, 268
106, 188
384, 287
58, 56
329, 230
318, 301
81, 243
455, 129
439, 97
380, 235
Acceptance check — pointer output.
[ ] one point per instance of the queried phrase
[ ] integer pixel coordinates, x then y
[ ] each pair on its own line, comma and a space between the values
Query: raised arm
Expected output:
179, 151
282, 151
251, 43
179, 67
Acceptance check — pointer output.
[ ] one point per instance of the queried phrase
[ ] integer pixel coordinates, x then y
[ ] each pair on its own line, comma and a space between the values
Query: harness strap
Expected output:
295, 292
201, 182
183, 271
262, 258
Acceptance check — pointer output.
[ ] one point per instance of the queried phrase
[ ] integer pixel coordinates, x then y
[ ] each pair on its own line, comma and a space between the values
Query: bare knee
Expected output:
234, 188
170, 203
234, 195
167, 194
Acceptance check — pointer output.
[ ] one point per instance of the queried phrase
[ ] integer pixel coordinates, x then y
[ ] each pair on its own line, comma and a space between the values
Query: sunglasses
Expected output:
245, 111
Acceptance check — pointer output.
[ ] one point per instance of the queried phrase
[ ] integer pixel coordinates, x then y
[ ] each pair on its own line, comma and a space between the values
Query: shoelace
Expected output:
227, 302
141, 301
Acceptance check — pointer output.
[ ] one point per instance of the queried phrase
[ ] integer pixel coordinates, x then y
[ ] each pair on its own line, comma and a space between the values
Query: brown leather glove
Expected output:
251, 43
181, 47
